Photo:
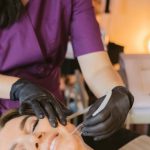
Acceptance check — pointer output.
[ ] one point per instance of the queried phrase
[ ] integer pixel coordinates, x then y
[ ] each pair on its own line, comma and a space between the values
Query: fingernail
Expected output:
53, 124
20, 112
97, 139
41, 116
64, 122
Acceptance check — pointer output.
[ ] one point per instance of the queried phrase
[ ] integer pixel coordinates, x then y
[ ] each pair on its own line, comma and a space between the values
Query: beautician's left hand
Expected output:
112, 117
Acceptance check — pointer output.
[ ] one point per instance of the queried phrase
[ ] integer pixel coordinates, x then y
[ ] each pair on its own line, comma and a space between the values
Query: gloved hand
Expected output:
42, 102
10, 11
111, 118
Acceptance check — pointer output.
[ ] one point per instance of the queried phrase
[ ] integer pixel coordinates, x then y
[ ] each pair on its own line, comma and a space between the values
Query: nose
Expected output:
63, 130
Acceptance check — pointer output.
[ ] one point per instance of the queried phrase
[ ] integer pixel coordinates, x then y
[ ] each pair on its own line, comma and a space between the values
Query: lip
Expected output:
53, 144
52, 141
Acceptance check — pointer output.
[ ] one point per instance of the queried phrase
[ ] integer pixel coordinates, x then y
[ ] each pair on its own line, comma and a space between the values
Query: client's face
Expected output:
27, 133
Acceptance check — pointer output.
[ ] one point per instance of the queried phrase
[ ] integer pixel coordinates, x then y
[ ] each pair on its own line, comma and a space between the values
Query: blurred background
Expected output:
125, 30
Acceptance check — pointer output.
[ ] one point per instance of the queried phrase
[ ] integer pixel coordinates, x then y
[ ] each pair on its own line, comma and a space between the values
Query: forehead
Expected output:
15, 121
10, 131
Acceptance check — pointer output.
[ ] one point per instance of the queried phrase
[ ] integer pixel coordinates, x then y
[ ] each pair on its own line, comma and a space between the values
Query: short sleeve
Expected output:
85, 31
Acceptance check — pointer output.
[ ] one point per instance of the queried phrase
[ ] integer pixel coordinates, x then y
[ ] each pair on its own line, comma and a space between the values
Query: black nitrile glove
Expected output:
42, 102
10, 11
111, 118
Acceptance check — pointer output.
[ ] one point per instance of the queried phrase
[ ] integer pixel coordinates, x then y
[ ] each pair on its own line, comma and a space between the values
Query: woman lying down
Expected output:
26, 132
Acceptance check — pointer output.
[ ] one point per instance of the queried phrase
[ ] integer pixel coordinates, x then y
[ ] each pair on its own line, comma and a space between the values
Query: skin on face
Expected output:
24, 2
39, 135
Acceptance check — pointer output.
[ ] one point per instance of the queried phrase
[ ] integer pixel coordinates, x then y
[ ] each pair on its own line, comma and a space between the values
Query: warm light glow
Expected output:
148, 45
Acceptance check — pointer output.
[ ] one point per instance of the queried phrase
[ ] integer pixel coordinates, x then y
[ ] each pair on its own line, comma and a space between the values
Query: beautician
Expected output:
33, 42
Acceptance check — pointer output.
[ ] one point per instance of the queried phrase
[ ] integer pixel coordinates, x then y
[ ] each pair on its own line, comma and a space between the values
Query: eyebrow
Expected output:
22, 124
13, 146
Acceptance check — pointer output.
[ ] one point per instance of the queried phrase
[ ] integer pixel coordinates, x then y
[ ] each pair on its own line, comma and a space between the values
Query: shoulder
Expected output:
74, 2
51, 4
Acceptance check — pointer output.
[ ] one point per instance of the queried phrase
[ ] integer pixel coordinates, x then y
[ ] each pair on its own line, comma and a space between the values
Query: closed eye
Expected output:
18, 147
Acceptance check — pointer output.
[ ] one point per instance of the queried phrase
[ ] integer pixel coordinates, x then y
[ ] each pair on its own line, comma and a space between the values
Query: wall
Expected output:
128, 24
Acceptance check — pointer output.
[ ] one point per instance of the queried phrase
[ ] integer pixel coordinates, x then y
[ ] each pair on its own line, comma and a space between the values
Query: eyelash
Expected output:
35, 125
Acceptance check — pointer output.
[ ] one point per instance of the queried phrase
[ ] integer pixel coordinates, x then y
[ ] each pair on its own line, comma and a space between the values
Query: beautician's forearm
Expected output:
99, 73
104, 81
6, 83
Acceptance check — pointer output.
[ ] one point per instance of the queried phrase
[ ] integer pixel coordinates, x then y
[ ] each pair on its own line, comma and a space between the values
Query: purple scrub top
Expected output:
34, 47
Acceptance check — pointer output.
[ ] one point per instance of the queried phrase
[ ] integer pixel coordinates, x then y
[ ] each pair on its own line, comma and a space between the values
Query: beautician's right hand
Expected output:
42, 102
